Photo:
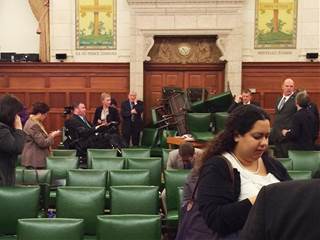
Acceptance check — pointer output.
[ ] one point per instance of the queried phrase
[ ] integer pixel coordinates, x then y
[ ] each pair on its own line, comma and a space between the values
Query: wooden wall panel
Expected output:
157, 76
60, 84
266, 79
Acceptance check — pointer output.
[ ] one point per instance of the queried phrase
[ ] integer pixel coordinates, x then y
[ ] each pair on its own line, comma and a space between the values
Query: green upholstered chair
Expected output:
50, 229
199, 126
40, 177
64, 152
305, 160
163, 137
16, 203
81, 202
173, 180
59, 166
286, 162
108, 163
129, 227
129, 177
87, 178
219, 102
220, 119
134, 200
154, 165
136, 152
300, 175
165, 155
199, 107
32, 177
149, 137
91, 152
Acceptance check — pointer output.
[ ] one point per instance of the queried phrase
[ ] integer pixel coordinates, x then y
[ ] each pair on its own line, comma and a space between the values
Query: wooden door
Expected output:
156, 76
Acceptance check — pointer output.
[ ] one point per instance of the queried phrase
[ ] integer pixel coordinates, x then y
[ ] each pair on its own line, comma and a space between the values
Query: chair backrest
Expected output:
153, 164
129, 177
81, 202
134, 200
136, 152
63, 152
305, 160
59, 166
165, 155
300, 175
50, 229
29, 176
286, 162
92, 152
16, 203
132, 226
198, 122
149, 137
174, 179
87, 178
163, 137
220, 119
219, 102
108, 163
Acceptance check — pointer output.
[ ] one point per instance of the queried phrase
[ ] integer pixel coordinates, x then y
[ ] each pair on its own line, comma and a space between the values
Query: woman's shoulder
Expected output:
216, 162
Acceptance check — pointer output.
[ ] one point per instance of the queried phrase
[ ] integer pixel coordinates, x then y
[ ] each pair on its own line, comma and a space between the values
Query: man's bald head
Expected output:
288, 87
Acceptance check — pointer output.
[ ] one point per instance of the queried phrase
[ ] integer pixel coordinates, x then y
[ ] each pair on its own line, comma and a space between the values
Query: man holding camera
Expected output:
132, 124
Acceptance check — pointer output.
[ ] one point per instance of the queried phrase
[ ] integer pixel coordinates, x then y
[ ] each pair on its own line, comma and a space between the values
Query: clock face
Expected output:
184, 50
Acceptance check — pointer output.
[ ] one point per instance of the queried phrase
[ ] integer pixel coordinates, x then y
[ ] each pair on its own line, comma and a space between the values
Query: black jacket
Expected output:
218, 194
303, 130
234, 105
282, 119
11, 145
113, 115
78, 130
287, 210
126, 113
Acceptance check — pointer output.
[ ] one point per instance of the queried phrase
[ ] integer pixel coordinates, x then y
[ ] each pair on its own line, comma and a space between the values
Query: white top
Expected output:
251, 183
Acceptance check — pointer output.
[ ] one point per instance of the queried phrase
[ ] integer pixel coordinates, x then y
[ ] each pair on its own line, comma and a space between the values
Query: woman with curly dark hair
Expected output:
235, 166
38, 141
11, 138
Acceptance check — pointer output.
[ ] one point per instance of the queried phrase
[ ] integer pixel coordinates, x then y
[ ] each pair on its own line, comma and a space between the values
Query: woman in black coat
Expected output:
235, 167
11, 138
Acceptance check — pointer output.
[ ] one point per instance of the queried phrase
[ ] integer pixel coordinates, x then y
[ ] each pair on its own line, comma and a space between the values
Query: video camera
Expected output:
67, 110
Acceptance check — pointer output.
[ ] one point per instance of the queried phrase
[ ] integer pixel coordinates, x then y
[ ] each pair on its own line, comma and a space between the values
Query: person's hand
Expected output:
285, 131
104, 123
133, 111
17, 122
99, 121
238, 99
252, 199
55, 133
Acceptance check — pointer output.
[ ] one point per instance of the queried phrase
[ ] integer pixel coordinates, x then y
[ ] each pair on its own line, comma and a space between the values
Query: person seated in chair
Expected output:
81, 133
184, 157
106, 113
244, 99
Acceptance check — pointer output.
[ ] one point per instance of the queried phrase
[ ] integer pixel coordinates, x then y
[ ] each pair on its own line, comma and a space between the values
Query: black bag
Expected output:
192, 226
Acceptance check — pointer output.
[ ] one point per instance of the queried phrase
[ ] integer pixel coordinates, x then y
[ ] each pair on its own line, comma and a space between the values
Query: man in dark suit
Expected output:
132, 124
286, 210
81, 133
244, 99
284, 110
304, 129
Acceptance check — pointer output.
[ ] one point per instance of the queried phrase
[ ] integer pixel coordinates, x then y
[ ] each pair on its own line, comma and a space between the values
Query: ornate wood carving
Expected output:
185, 50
